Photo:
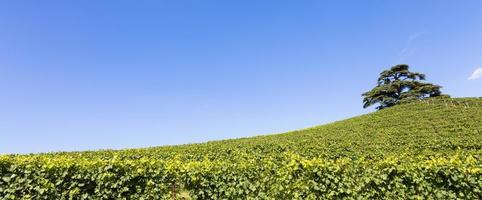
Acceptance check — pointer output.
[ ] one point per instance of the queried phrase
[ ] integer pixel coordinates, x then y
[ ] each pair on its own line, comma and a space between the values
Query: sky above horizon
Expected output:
87, 75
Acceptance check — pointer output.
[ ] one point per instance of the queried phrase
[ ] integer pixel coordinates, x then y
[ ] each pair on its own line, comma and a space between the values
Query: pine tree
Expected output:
397, 85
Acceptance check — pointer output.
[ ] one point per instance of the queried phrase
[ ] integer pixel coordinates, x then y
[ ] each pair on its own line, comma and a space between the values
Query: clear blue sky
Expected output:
86, 75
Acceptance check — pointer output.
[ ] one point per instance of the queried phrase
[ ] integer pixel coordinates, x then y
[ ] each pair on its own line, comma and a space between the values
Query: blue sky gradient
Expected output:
86, 75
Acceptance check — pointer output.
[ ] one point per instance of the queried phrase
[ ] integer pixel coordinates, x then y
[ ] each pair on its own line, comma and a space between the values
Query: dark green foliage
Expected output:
427, 149
398, 84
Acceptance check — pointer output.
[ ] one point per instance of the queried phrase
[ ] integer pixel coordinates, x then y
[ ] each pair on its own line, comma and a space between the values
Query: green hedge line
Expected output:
287, 177
83, 179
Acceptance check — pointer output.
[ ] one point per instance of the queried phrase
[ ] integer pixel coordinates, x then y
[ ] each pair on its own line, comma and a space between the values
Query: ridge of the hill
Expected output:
438, 125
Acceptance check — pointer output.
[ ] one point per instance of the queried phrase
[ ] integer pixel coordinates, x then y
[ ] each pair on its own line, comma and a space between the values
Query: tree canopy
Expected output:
399, 84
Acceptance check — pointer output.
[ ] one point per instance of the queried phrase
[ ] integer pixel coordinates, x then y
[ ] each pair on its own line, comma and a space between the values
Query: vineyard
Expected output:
418, 150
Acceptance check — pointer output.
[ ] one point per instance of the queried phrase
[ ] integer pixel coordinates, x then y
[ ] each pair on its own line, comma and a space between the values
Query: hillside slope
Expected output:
423, 149
430, 126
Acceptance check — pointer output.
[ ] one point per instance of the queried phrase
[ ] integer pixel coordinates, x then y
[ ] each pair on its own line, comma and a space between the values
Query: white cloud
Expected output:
476, 74
415, 36
408, 50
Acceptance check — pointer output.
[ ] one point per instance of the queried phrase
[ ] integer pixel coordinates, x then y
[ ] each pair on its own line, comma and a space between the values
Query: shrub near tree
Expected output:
399, 84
